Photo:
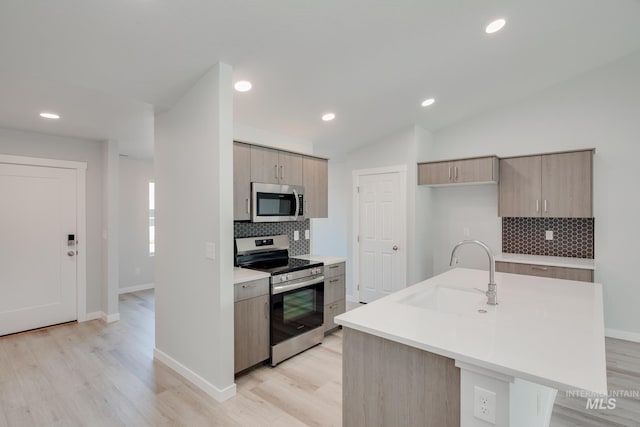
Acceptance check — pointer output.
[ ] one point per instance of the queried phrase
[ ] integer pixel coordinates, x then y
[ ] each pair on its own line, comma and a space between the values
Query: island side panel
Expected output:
386, 383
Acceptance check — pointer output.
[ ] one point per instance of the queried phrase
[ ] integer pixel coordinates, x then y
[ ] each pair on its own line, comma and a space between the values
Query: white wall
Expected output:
332, 236
110, 178
599, 109
194, 207
135, 264
32, 144
252, 135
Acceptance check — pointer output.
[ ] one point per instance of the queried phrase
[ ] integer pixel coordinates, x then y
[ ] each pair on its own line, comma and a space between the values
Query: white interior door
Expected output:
382, 235
37, 267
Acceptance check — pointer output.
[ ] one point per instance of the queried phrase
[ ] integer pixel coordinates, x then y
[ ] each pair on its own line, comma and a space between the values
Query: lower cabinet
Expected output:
334, 294
579, 274
251, 324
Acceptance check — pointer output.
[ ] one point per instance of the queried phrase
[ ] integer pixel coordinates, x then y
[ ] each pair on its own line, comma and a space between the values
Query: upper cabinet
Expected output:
315, 176
253, 163
275, 167
241, 181
463, 171
548, 185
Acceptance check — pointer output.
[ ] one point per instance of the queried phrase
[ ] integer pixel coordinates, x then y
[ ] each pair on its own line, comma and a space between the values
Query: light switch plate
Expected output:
306, 234
210, 250
296, 235
548, 235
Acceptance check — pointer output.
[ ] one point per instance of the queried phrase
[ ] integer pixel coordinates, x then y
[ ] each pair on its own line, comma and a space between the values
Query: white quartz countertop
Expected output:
547, 331
326, 259
552, 261
242, 275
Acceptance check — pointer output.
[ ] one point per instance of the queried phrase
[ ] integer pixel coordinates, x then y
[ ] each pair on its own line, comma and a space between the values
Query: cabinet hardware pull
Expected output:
333, 266
537, 205
456, 168
334, 280
545, 205
249, 286
281, 172
247, 205
449, 173
276, 167
266, 309
533, 267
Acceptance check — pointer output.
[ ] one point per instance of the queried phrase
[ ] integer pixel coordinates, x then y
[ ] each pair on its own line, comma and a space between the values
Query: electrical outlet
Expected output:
306, 234
548, 235
484, 407
296, 235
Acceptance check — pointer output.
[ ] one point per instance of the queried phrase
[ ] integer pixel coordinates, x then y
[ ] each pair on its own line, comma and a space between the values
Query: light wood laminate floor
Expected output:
94, 374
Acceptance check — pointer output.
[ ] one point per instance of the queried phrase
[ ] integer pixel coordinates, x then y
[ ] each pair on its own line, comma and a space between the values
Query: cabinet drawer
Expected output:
330, 311
578, 274
334, 289
251, 289
333, 270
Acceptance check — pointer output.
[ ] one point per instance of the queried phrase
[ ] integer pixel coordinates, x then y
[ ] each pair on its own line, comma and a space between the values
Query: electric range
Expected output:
297, 293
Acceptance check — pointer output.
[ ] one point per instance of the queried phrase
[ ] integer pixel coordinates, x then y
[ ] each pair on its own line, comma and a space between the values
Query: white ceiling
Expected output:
103, 65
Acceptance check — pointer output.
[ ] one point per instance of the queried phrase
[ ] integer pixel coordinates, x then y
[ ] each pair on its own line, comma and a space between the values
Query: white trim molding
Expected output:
136, 288
110, 318
93, 316
38, 161
218, 394
622, 335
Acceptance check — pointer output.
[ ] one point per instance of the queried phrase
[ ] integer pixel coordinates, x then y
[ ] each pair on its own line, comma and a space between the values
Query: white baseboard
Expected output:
197, 380
110, 318
136, 288
94, 315
622, 335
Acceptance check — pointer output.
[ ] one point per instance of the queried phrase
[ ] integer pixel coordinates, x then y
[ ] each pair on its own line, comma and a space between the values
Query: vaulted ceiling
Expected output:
105, 66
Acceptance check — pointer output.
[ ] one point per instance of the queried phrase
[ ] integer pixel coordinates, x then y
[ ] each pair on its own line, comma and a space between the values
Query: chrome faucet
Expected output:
492, 293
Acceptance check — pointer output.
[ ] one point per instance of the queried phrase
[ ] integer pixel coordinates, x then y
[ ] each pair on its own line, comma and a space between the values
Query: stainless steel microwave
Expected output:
276, 203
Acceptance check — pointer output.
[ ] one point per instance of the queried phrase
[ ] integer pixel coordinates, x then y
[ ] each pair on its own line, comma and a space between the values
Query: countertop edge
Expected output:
583, 264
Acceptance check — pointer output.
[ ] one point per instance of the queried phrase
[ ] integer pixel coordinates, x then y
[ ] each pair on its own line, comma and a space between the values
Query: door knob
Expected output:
395, 247
71, 253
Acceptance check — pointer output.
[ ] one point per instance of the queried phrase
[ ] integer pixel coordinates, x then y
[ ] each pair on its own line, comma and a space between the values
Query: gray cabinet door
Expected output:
315, 178
475, 170
251, 333
289, 168
520, 187
435, 173
578, 274
264, 165
567, 184
241, 181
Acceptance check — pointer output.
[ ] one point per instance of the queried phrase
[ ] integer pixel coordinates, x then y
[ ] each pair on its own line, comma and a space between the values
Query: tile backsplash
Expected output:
572, 237
256, 229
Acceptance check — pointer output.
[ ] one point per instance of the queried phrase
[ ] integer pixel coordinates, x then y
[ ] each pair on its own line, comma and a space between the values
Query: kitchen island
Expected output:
425, 355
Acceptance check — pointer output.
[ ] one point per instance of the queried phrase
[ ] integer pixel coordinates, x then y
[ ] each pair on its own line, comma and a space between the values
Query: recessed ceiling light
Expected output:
428, 102
243, 86
495, 26
328, 117
49, 115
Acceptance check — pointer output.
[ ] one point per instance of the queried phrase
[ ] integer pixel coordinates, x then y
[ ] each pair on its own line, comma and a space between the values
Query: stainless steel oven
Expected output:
297, 313
276, 203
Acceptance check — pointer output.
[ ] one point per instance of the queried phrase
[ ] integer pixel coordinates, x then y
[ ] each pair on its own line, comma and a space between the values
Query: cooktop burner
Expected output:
283, 266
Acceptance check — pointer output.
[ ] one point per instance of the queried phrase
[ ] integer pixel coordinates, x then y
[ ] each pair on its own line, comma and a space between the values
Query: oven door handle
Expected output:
295, 194
285, 288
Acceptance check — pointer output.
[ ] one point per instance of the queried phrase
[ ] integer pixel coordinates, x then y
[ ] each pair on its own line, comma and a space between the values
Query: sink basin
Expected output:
448, 299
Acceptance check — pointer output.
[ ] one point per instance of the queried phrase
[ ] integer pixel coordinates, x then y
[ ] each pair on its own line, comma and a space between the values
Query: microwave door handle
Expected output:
295, 194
